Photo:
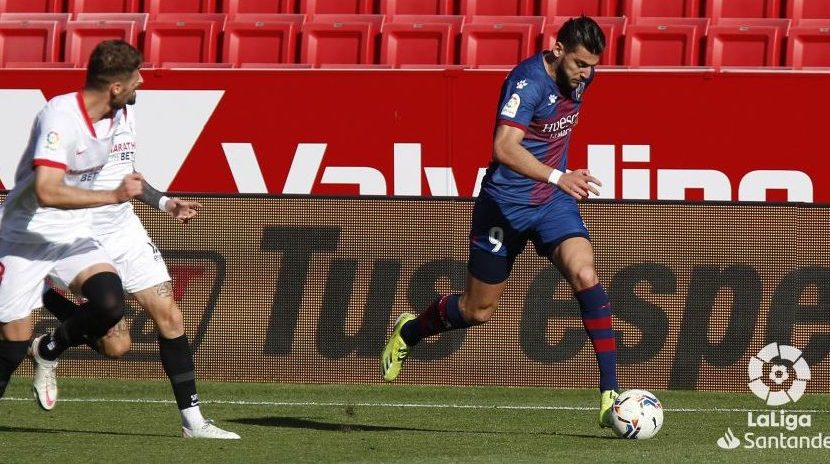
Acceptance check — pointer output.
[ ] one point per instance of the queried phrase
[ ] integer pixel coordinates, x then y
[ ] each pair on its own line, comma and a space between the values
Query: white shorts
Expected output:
24, 266
138, 261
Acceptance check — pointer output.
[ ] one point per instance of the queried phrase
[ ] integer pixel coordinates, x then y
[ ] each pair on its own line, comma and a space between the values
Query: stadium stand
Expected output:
661, 8
140, 19
257, 6
496, 7
31, 6
29, 41
742, 9
83, 36
808, 44
419, 39
426, 33
103, 6
499, 40
808, 9
667, 44
416, 7
155, 7
180, 41
551, 8
336, 6
340, 39
261, 39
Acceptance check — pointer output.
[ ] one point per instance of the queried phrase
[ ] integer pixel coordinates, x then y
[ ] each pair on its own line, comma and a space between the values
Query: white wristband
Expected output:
163, 203
554, 176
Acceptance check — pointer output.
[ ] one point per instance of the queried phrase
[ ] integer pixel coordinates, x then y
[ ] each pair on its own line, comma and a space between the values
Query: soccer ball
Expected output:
637, 414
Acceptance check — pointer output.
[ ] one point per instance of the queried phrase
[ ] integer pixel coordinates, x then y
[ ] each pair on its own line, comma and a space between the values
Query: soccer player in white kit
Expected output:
44, 228
145, 276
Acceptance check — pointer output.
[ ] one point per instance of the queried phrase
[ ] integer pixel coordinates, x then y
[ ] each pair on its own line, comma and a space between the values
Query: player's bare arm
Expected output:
51, 191
508, 150
182, 210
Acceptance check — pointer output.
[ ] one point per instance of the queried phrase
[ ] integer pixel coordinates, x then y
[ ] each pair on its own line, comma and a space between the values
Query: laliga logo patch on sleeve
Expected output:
53, 140
512, 106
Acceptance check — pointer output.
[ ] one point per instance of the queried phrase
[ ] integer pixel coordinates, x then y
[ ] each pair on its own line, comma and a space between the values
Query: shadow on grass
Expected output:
298, 423
305, 423
6, 428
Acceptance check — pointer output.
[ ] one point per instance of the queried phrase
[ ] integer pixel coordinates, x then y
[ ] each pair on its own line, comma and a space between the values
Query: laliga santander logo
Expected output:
778, 374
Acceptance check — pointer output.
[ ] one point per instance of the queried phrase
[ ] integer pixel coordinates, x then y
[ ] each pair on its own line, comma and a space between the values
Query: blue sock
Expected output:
442, 315
595, 310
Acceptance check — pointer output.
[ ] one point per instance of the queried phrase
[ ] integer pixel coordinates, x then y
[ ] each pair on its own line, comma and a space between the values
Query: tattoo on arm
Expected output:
165, 289
150, 196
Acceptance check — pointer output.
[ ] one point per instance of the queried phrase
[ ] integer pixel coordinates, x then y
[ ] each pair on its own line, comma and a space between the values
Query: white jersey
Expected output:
63, 137
109, 219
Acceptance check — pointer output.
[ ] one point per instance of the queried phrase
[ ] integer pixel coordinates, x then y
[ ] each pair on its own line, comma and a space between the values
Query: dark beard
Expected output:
562, 81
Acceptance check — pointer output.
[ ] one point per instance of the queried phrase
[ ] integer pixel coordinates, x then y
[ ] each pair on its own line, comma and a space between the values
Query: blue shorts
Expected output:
500, 232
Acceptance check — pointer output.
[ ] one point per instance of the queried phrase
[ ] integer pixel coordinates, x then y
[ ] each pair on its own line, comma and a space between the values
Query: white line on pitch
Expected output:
402, 405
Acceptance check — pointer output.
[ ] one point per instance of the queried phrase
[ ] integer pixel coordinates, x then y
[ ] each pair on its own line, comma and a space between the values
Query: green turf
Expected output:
348, 423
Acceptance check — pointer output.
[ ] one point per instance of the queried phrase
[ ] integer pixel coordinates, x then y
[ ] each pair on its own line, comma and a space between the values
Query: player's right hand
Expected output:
130, 187
579, 183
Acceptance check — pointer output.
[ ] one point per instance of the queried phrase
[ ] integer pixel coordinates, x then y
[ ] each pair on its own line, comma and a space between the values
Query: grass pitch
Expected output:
137, 421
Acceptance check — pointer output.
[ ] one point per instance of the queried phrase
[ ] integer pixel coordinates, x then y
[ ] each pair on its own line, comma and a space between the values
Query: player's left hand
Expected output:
182, 210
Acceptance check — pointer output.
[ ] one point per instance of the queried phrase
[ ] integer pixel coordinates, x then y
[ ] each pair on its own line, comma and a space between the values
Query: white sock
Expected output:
192, 417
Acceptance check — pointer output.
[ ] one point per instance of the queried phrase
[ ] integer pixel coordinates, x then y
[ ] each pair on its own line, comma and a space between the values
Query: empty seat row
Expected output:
793, 9
247, 40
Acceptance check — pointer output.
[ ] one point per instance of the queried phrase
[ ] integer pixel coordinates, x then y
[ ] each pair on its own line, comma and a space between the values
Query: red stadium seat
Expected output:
59, 18
419, 41
180, 41
593, 8
416, 7
31, 6
191, 65
612, 26
140, 19
275, 66
29, 41
257, 6
661, 8
83, 36
375, 20
339, 39
808, 9
499, 40
219, 19
743, 45
783, 24
102, 6
453, 20
716, 9
354, 66
808, 46
496, 7
261, 40
37, 65
335, 6
667, 44
155, 7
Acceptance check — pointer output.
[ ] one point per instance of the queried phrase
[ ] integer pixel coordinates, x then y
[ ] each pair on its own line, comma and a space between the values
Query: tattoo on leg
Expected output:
165, 290
118, 328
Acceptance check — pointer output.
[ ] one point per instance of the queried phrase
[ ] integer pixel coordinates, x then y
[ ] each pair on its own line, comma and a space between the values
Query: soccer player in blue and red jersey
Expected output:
528, 194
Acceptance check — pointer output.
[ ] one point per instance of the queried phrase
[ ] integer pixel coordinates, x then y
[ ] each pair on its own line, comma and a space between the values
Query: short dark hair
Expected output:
582, 31
111, 61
